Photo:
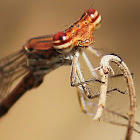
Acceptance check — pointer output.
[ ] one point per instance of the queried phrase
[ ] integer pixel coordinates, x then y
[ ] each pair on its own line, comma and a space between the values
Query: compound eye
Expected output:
94, 16
62, 42
92, 13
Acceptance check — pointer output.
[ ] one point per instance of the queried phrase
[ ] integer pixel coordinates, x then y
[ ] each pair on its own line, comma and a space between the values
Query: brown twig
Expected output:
104, 69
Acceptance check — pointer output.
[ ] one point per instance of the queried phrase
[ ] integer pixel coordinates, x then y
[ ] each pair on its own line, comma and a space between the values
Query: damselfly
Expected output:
42, 54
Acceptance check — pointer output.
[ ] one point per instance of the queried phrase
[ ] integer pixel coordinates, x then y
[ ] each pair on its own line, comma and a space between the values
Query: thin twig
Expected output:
104, 70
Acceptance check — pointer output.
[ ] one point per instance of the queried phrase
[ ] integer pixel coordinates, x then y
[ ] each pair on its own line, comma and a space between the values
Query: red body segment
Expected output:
40, 43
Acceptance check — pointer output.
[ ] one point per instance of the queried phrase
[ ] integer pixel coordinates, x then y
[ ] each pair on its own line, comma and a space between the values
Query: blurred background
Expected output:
52, 111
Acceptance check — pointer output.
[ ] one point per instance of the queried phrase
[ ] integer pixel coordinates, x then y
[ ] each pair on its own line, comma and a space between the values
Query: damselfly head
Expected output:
78, 34
89, 22
62, 42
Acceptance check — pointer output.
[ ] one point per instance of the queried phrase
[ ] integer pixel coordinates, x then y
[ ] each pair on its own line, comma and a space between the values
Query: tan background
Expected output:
52, 111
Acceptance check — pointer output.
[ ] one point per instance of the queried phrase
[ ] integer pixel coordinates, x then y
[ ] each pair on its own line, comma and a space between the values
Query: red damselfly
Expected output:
42, 54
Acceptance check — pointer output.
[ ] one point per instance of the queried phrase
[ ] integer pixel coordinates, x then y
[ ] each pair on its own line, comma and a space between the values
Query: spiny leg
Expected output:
76, 73
81, 90
116, 89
